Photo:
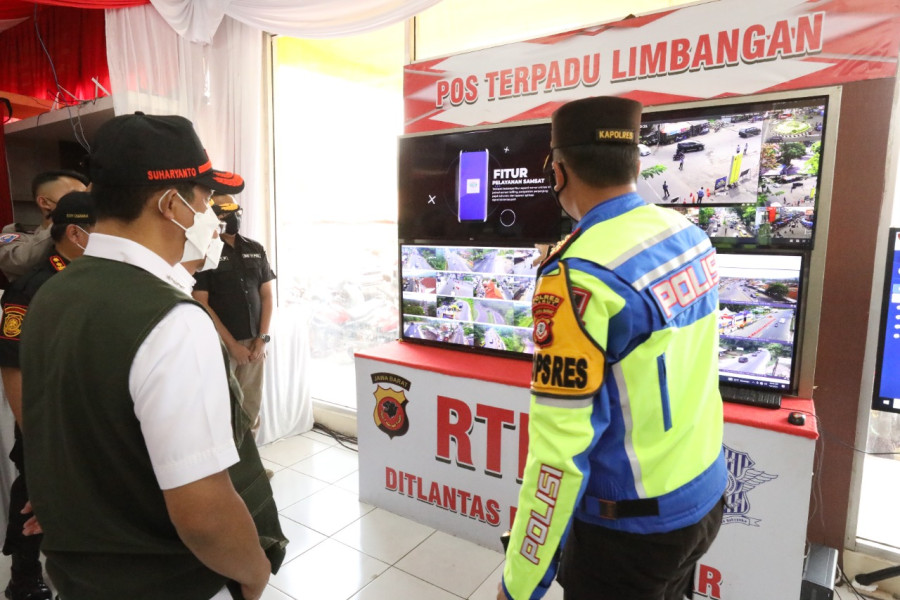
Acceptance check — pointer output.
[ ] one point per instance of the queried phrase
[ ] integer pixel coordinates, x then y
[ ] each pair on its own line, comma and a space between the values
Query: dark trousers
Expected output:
604, 564
25, 549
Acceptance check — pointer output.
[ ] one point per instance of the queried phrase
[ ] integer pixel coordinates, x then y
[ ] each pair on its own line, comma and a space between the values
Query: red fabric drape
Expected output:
16, 9
76, 42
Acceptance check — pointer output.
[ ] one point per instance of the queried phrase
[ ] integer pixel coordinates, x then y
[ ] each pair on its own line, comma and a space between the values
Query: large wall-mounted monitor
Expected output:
480, 186
887, 366
468, 297
760, 319
749, 174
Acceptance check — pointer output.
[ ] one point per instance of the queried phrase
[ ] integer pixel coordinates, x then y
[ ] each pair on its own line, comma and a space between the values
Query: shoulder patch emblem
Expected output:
9, 237
580, 298
13, 314
58, 263
543, 308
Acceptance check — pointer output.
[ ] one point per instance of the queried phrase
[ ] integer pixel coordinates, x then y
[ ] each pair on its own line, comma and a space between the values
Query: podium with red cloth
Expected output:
443, 437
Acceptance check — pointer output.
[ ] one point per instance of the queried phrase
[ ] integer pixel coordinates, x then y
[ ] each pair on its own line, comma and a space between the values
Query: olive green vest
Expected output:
107, 533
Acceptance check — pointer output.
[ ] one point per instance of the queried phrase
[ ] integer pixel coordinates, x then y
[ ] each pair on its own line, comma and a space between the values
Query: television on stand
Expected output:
473, 207
886, 396
749, 173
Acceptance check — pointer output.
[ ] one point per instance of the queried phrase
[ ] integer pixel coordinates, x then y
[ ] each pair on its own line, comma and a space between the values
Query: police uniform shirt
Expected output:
233, 286
19, 251
15, 305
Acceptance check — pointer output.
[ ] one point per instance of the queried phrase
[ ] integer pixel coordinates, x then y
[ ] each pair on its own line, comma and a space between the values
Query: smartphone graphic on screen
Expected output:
473, 186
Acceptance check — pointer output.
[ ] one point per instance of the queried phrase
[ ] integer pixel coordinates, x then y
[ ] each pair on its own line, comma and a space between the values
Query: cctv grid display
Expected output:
760, 318
467, 273
477, 297
747, 174
887, 367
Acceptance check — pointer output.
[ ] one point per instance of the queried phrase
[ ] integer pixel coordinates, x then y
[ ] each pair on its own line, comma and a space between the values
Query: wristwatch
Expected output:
265, 337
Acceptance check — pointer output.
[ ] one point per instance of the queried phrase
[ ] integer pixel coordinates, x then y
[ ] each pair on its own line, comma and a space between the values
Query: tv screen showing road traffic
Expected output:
759, 297
747, 174
472, 296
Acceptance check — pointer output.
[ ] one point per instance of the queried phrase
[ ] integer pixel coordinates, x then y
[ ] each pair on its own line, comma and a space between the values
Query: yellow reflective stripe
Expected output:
546, 501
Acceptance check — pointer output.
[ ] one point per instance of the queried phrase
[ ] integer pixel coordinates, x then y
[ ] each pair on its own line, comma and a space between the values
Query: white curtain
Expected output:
206, 61
221, 87
198, 21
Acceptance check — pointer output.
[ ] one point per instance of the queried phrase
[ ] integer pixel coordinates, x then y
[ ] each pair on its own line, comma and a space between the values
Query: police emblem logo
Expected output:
13, 314
390, 411
742, 478
543, 309
9, 237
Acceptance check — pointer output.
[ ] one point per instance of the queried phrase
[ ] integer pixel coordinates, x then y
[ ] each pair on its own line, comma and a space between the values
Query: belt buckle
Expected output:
608, 509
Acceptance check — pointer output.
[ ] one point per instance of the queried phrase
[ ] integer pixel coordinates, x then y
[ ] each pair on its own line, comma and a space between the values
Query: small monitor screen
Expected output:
887, 367
747, 174
477, 186
468, 297
759, 314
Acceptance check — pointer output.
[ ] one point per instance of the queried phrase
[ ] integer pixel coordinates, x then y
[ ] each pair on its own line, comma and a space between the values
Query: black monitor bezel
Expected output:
563, 226
893, 233
793, 386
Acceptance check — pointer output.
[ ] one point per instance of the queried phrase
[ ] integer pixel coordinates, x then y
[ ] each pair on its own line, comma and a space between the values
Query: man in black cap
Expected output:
625, 470
20, 250
144, 478
71, 223
240, 297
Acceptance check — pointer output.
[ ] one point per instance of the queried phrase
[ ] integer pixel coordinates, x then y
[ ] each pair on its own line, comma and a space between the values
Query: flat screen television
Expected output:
760, 319
480, 186
474, 297
887, 366
748, 174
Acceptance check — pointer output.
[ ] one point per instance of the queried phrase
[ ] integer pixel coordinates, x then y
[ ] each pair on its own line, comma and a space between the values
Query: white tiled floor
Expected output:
343, 549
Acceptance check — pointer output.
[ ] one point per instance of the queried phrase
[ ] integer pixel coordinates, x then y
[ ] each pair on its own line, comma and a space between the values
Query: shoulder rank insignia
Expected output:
562, 245
12, 320
9, 237
58, 263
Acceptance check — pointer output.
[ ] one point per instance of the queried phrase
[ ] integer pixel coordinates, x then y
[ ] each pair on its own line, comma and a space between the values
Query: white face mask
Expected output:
212, 254
85, 233
199, 238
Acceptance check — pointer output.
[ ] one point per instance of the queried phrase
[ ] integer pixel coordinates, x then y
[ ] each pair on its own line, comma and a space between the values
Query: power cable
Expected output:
75, 121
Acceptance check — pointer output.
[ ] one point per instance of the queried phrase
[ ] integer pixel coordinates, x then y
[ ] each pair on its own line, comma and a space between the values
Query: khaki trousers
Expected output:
250, 377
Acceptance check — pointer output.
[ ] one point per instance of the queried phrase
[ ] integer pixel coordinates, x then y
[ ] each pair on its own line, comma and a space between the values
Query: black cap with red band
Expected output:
144, 149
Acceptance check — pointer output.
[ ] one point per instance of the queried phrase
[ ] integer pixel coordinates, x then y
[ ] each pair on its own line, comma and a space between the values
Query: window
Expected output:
338, 109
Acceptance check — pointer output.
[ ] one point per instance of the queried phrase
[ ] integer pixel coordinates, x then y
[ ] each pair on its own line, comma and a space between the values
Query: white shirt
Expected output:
181, 279
177, 380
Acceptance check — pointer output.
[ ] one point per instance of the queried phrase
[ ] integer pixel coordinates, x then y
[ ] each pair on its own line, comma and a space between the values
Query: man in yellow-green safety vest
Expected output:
623, 485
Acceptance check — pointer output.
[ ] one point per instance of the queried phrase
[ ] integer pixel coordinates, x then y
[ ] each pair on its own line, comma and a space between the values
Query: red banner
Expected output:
706, 51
